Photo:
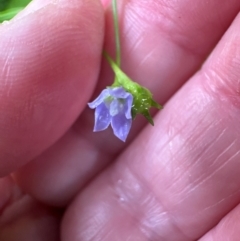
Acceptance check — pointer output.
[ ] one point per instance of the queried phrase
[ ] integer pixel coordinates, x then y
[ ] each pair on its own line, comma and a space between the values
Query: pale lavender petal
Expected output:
118, 92
102, 118
116, 107
128, 107
104, 94
121, 126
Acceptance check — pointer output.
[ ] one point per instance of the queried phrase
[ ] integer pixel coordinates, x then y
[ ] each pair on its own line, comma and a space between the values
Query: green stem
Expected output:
116, 29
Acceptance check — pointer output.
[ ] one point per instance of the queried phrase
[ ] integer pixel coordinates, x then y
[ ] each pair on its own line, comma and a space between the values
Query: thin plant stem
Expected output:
117, 35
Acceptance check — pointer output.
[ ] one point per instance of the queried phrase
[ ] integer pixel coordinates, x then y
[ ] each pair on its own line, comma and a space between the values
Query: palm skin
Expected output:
178, 180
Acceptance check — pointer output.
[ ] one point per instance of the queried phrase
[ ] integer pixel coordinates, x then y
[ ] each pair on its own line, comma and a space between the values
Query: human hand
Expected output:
178, 180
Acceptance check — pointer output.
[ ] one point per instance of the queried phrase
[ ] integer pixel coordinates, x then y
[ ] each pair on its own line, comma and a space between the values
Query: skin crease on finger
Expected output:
23, 218
177, 181
163, 44
49, 68
227, 229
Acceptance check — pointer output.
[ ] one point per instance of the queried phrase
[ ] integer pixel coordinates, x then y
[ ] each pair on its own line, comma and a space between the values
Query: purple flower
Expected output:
113, 106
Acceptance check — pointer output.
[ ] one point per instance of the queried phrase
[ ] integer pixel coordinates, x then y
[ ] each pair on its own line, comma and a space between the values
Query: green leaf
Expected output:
3, 4
8, 14
9, 8
142, 97
17, 3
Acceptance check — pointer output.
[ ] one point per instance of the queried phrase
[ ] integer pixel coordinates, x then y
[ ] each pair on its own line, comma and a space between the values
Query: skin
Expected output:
178, 180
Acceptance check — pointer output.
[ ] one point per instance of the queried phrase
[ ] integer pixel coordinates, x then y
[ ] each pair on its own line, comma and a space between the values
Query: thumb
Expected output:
49, 64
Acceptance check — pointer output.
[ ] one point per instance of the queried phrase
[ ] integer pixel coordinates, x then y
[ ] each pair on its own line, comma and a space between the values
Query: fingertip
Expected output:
50, 65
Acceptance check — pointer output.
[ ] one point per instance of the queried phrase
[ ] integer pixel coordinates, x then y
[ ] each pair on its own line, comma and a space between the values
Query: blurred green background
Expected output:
9, 8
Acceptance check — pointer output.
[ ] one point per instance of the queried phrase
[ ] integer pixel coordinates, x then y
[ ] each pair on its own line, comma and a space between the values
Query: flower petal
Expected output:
118, 92
116, 107
128, 107
104, 94
121, 126
102, 118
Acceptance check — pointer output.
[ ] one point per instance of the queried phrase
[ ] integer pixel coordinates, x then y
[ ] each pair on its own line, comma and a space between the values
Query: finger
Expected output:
105, 2
22, 218
226, 229
5, 191
48, 70
159, 50
177, 180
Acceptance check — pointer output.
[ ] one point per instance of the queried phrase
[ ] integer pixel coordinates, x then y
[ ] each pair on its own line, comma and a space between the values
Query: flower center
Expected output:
115, 105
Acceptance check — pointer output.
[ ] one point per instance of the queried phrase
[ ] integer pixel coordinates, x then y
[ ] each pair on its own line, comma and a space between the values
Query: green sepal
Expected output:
142, 97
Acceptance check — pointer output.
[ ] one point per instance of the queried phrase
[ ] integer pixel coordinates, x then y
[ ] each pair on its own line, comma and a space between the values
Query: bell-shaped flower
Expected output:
113, 106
